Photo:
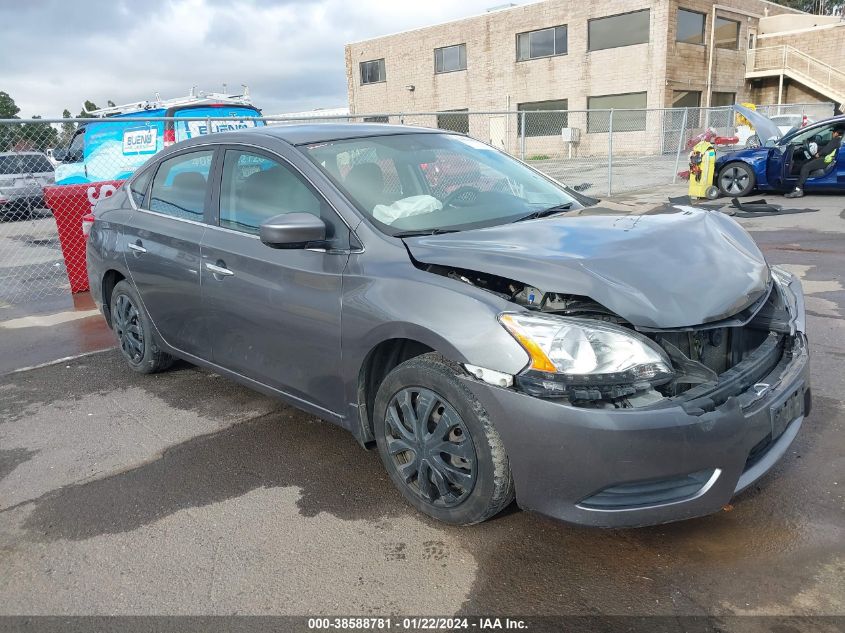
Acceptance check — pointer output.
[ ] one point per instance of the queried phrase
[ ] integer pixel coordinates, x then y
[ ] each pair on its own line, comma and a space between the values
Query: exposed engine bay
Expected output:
751, 343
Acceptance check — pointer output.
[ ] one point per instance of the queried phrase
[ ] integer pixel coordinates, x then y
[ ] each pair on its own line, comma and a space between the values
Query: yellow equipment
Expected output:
702, 165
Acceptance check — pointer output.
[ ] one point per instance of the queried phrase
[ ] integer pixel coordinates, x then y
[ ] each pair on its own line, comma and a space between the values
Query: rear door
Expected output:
274, 314
162, 249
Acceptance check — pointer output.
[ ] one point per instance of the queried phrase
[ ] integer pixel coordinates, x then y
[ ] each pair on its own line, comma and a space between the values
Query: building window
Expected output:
685, 99
690, 27
727, 33
625, 120
372, 72
540, 122
454, 121
722, 99
450, 58
376, 119
543, 43
618, 30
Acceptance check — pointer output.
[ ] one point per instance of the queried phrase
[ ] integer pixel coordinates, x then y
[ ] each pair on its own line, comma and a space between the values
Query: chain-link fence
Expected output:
53, 171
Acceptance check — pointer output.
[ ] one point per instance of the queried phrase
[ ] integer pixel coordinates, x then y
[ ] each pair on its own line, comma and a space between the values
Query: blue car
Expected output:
775, 165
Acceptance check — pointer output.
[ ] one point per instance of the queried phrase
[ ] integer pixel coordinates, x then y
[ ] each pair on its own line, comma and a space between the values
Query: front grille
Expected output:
649, 493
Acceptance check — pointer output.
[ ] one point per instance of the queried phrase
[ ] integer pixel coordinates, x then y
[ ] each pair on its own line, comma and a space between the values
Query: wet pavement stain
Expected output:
183, 387
277, 450
12, 458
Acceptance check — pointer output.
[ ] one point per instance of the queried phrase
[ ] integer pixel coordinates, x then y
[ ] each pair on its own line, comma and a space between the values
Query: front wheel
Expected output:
736, 180
438, 444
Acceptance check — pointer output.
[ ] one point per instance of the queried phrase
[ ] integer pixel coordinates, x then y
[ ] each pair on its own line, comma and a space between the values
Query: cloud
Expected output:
56, 54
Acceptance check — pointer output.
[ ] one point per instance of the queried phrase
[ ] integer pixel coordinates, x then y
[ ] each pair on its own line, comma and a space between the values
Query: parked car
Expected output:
23, 176
784, 123
775, 166
506, 337
113, 145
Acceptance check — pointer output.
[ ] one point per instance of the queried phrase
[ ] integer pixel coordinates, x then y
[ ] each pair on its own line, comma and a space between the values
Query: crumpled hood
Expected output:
677, 268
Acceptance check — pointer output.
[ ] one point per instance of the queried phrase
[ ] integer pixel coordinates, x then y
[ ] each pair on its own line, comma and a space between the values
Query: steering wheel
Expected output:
463, 196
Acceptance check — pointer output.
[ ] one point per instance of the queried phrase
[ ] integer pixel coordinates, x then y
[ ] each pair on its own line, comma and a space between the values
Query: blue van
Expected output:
110, 149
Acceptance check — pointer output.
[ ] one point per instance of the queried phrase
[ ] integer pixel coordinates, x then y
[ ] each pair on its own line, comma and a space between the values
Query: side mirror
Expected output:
60, 154
292, 230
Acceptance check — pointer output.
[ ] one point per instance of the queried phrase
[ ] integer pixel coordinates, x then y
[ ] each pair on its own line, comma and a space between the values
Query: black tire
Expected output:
736, 180
134, 330
469, 485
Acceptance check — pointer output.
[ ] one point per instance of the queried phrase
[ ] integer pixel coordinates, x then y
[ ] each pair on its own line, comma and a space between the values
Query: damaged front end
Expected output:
582, 353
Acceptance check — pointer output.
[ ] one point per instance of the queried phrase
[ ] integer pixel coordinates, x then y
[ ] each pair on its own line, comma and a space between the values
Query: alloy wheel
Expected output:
130, 332
733, 180
430, 447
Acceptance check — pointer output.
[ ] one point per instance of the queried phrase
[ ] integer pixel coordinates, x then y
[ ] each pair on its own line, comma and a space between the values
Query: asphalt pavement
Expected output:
184, 493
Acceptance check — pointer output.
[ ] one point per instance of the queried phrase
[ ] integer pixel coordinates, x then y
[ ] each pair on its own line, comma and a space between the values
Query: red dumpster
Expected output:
68, 204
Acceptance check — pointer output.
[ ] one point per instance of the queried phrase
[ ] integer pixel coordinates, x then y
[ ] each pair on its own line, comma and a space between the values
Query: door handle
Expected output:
219, 270
137, 247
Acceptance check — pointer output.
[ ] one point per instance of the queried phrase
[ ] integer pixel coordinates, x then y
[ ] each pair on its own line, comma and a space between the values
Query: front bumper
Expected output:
584, 465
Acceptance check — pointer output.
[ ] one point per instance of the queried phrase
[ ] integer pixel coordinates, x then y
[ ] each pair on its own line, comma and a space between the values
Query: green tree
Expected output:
68, 130
87, 107
8, 107
8, 110
36, 136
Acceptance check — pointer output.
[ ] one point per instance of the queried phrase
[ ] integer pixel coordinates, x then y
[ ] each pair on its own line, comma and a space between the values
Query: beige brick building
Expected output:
569, 55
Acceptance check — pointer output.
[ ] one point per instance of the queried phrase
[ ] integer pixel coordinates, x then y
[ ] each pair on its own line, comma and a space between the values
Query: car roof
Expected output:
27, 153
309, 133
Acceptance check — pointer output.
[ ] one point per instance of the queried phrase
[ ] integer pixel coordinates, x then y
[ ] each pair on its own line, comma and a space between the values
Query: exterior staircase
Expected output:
786, 61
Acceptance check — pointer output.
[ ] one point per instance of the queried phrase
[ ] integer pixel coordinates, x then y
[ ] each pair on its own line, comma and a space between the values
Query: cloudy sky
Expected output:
55, 53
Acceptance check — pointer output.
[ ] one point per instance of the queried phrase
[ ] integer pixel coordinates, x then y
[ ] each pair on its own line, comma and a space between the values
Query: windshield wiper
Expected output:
542, 213
424, 232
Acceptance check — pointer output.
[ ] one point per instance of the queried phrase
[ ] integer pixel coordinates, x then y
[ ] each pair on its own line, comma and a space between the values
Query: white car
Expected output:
783, 122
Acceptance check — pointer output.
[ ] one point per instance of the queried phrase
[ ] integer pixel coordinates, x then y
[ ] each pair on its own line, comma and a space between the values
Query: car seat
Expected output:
268, 193
365, 182
187, 192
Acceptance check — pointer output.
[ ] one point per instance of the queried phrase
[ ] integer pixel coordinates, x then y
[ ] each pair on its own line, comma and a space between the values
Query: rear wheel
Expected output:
736, 180
438, 444
133, 329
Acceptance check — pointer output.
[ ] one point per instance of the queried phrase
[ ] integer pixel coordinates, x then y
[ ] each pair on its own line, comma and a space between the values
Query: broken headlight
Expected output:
792, 294
583, 358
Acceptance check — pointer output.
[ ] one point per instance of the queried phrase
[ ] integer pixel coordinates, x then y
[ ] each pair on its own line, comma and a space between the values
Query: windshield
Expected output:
427, 182
24, 164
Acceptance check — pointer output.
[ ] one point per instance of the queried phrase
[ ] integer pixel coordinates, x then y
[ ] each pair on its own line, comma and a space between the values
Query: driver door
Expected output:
791, 167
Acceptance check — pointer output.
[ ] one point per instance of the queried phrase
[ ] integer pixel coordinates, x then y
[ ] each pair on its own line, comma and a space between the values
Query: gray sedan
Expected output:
491, 332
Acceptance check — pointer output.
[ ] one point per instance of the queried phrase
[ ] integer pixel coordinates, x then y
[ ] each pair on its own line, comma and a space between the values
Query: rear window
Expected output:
24, 164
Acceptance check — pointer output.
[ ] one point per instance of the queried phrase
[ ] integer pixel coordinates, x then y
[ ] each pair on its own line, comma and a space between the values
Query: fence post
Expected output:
680, 145
522, 137
610, 154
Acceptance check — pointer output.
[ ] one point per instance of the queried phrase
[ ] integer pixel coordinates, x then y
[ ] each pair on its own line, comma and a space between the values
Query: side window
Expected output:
180, 184
138, 186
255, 188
